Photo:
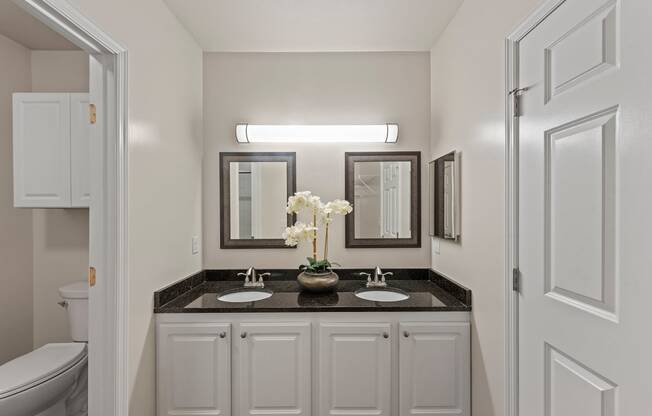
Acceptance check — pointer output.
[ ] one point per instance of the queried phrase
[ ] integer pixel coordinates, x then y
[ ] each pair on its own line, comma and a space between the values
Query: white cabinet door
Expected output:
41, 140
273, 374
354, 369
80, 183
194, 369
434, 370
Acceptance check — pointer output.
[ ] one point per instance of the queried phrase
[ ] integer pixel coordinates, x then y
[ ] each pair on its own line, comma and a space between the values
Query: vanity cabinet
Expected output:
195, 377
354, 369
51, 150
272, 368
398, 363
434, 368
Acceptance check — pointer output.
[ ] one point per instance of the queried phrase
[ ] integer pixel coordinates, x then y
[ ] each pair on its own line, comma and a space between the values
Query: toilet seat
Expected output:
38, 367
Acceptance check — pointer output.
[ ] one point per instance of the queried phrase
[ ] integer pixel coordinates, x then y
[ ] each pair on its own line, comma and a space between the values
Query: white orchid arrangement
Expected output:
301, 231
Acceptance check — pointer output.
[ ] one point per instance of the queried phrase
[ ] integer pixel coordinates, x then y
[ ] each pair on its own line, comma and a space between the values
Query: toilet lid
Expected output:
38, 366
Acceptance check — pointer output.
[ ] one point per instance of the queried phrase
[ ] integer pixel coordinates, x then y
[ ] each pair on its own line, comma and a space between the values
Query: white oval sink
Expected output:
382, 295
244, 295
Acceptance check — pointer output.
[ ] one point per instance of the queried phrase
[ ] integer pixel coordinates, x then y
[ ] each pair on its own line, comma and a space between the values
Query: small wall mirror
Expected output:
444, 195
385, 190
254, 192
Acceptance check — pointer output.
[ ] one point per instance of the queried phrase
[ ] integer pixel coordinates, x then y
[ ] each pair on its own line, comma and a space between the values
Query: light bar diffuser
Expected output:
365, 133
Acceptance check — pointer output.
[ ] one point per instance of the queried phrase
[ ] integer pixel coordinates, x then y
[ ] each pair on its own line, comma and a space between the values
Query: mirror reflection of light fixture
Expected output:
352, 133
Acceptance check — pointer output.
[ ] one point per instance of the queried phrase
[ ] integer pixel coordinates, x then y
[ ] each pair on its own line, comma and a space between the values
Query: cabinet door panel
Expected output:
354, 369
273, 369
41, 141
194, 369
80, 181
434, 371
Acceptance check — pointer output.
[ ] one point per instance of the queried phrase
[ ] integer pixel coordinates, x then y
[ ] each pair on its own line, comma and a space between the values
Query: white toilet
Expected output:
51, 380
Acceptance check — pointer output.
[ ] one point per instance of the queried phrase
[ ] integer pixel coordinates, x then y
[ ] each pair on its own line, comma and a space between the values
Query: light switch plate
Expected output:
435, 245
195, 245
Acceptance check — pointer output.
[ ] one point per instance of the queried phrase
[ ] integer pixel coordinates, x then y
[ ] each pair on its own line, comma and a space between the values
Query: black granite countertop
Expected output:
429, 291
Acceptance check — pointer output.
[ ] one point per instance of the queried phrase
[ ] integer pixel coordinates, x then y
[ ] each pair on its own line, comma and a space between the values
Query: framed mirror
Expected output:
385, 190
444, 196
254, 188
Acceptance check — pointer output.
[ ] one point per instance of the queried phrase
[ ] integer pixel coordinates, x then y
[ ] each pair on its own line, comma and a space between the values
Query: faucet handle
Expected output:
382, 275
365, 274
261, 275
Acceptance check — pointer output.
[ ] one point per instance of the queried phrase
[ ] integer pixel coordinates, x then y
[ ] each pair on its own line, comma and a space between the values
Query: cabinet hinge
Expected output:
516, 100
516, 280
92, 113
91, 276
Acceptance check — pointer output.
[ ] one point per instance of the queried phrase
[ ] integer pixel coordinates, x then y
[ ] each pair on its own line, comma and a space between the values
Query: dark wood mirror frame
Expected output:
226, 242
415, 194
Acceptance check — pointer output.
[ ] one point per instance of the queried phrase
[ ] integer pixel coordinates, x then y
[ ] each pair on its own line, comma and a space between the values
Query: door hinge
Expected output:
92, 112
516, 279
91, 276
516, 100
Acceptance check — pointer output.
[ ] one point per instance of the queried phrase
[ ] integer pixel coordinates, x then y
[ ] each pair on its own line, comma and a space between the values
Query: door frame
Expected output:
511, 202
108, 298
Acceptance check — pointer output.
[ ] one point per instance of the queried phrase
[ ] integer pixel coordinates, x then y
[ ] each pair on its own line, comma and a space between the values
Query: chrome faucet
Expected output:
253, 278
379, 278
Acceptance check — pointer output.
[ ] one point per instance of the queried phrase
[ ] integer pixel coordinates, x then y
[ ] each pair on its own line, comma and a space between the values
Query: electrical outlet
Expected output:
195, 245
435, 245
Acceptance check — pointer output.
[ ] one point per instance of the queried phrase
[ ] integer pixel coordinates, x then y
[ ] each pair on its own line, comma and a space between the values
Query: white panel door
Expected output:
80, 182
41, 141
354, 369
273, 366
194, 369
434, 369
584, 204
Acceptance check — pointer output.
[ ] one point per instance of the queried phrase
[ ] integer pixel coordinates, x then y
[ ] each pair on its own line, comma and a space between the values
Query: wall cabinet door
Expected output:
41, 141
194, 369
273, 364
354, 369
80, 181
434, 369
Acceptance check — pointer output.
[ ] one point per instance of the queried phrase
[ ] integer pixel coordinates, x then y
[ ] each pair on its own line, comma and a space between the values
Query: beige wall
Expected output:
15, 224
60, 235
165, 146
312, 88
468, 64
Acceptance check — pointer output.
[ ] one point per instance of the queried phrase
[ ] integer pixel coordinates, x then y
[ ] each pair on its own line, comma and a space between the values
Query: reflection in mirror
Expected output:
444, 195
259, 192
385, 190
254, 190
382, 199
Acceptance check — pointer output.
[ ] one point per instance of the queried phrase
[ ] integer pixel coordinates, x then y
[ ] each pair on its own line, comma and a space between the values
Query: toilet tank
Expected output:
75, 296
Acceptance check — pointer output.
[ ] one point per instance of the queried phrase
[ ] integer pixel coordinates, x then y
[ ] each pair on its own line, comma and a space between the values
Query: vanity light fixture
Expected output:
350, 133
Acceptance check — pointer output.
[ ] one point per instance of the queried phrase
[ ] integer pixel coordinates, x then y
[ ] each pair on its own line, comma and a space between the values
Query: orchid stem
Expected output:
326, 241
314, 235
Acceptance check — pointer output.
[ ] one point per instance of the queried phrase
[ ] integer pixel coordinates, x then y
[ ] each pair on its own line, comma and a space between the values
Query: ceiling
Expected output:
20, 26
314, 25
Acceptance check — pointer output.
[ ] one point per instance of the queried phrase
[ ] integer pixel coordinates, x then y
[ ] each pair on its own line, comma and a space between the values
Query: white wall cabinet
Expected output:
399, 363
51, 150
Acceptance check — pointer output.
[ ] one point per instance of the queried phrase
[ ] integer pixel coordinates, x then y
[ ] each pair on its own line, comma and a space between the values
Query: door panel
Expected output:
584, 198
354, 369
273, 369
194, 369
434, 370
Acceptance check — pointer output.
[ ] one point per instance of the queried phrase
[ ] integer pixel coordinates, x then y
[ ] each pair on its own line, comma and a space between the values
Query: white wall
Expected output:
16, 297
60, 235
165, 146
312, 88
468, 64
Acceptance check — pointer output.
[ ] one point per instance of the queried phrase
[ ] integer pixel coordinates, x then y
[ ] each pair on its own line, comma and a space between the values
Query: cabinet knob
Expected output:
222, 334
385, 335
406, 334
243, 335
